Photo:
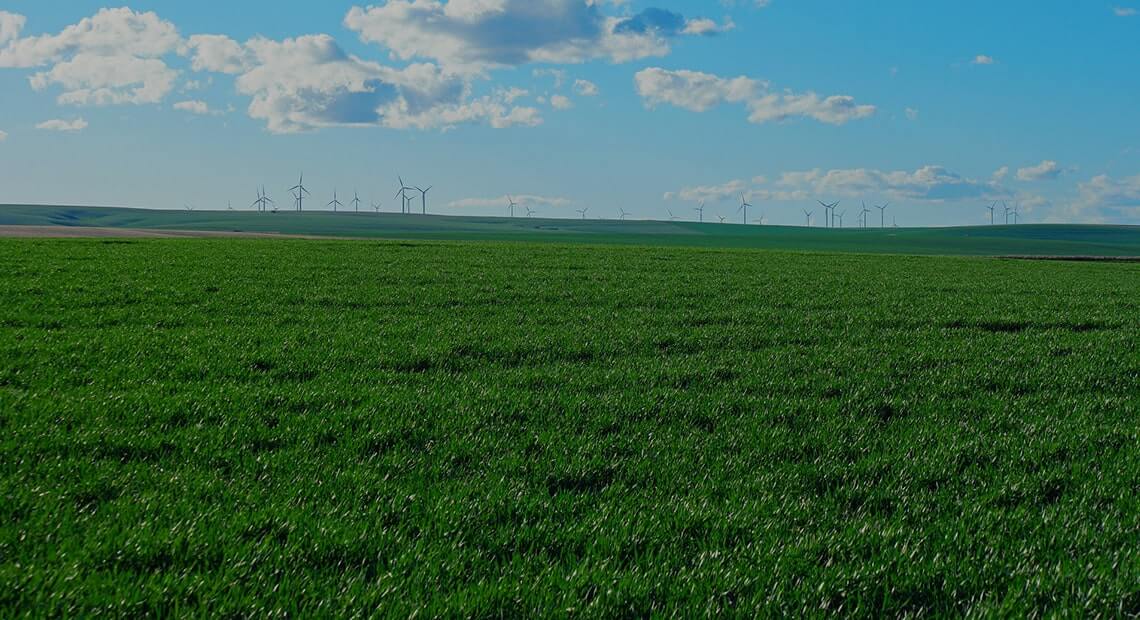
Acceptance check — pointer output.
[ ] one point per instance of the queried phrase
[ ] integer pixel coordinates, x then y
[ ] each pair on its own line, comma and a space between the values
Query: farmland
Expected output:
1038, 239
267, 427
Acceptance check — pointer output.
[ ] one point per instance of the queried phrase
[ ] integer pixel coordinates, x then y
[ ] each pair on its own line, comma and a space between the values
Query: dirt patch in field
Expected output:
83, 232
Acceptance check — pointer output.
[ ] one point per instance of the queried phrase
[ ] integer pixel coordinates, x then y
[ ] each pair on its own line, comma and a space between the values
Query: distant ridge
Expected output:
1044, 241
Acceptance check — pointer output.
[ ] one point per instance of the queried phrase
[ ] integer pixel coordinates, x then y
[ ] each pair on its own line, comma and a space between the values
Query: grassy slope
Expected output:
233, 427
996, 240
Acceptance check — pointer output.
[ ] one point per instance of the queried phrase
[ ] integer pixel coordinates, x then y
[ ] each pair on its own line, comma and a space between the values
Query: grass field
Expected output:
1053, 240
261, 427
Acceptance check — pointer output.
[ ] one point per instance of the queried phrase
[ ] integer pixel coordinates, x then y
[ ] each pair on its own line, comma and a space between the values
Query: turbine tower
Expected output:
828, 213
701, 210
334, 203
841, 214
423, 197
356, 201
808, 214
991, 208
863, 214
376, 207
402, 194
623, 214
582, 211
262, 200
512, 204
1006, 207
744, 207
883, 214
299, 192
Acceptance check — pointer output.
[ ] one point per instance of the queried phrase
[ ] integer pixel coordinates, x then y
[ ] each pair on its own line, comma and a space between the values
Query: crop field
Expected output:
352, 428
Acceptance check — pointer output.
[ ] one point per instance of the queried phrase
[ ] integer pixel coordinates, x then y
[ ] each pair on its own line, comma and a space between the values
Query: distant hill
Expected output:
1036, 240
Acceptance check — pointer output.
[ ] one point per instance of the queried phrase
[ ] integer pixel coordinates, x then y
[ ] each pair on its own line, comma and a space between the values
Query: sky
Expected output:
615, 106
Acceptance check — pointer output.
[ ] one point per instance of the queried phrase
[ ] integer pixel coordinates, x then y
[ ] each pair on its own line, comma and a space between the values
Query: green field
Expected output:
1051, 240
350, 428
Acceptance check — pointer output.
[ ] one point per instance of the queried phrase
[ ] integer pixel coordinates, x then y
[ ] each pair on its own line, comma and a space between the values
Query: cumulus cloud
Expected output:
1044, 171
61, 125
310, 82
1104, 198
927, 184
218, 53
193, 106
1000, 174
11, 24
474, 35
698, 92
113, 57
982, 59
561, 102
586, 88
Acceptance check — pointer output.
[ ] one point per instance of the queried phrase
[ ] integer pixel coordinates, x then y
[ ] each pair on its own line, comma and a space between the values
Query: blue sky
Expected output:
939, 108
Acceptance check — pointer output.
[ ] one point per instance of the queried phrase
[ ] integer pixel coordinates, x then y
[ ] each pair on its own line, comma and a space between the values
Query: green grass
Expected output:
1061, 240
261, 427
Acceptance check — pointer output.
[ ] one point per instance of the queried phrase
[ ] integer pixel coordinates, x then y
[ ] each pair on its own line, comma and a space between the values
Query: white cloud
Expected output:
1103, 199
193, 106
61, 125
1044, 171
982, 59
522, 200
11, 24
3, 136
218, 53
912, 114
309, 82
561, 102
474, 35
710, 193
704, 26
928, 184
89, 79
699, 92
1123, 11
586, 88
1000, 174
112, 57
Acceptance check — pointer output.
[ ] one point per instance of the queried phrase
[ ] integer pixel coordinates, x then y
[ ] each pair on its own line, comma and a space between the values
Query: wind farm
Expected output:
604, 326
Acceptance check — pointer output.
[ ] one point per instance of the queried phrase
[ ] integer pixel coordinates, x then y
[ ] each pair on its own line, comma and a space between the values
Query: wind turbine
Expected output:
623, 214
760, 220
423, 197
403, 195
229, 205
334, 203
829, 213
1016, 215
863, 214
672, 218
356, 201
701, 211
722, 218
883, 215
841, 214
1006, 207
530, 212
189, 207
262, 199
512, 204
299, 192
376, 207
808, 214
744, 207
991, 208
582, 211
